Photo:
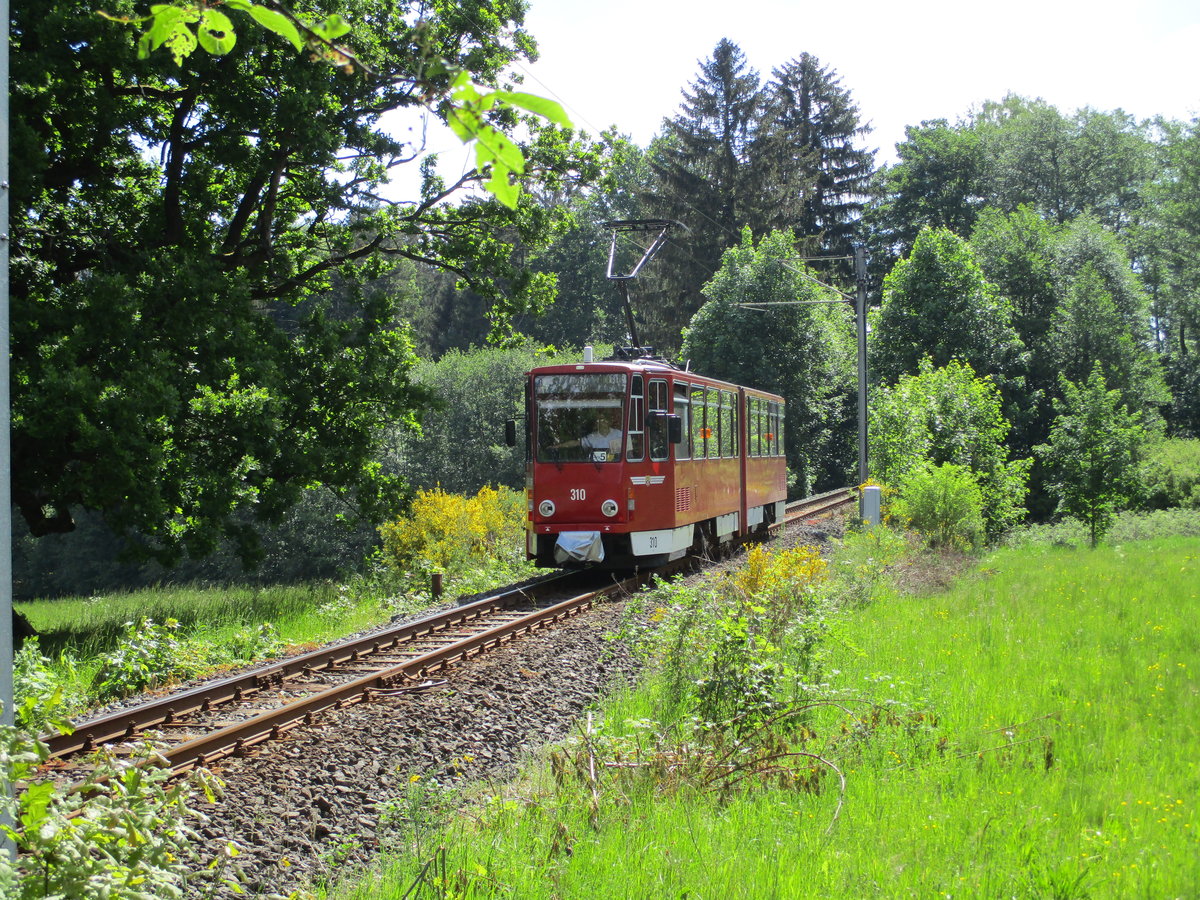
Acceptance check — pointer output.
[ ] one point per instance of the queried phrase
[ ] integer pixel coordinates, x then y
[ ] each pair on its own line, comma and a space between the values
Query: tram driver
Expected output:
605, 438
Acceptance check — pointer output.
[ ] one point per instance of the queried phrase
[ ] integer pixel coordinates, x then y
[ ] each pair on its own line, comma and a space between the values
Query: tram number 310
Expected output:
578, 494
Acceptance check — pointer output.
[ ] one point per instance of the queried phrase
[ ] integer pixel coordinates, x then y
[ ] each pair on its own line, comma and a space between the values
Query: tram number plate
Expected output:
578, 494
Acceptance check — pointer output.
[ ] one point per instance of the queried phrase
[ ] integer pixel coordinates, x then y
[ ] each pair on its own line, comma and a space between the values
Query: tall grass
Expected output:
88, 626
1032, 732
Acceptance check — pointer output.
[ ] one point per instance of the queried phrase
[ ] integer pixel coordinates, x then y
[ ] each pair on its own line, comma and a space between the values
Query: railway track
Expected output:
226, 717
818, 504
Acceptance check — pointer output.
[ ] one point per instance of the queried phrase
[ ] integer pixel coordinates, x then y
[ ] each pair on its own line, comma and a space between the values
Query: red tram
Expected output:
634, 462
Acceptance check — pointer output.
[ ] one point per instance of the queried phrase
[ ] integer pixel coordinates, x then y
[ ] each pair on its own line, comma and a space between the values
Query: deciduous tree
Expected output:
165, 220
1092, 455
938, 304
804, 352
948, 415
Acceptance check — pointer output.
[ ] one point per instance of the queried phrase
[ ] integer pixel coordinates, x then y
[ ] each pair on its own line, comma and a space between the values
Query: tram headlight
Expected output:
546, 508
609, 508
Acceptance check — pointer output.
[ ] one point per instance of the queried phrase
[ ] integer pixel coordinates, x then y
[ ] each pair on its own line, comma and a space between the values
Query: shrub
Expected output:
121, 833
149, 654
249, 644
783, 585
44, 697
949, 415
1171, 474
451, 533
943, 503
734, 651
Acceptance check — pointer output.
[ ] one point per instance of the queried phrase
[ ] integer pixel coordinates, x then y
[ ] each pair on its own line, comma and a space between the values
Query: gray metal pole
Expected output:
6, 633
860, 276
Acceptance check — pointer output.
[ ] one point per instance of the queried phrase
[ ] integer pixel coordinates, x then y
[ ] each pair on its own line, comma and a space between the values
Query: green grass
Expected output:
1032, 732
82, 638
1090, 656
90, 625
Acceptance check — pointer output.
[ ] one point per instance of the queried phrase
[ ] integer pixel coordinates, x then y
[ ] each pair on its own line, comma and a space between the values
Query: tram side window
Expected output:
772, 428
764, 429
712, 420
780, 432
752, 425
683, 450
656, 424
723, 399
636, 446
699, 428
729, 441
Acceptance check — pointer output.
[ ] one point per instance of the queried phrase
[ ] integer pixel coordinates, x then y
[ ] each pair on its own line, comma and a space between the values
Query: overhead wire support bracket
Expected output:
658, 227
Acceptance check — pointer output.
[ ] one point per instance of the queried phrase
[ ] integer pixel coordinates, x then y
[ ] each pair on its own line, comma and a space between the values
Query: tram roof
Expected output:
649, 368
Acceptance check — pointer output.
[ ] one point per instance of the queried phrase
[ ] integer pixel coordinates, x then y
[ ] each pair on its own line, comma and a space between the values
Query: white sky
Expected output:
626, 62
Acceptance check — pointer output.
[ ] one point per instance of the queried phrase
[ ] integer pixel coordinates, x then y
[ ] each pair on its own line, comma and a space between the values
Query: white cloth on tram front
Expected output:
579, 546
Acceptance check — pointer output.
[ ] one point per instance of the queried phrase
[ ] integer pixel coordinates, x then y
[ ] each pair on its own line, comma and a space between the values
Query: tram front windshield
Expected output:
579, 417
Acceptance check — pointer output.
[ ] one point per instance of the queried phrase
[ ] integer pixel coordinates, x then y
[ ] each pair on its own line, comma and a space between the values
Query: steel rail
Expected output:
124, 724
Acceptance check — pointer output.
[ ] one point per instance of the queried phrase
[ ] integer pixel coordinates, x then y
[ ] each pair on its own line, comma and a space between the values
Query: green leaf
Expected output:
181, 43
501, 187
216, 32
333, 27
464, 123
276, 22
547, 109
34, 804
504, 149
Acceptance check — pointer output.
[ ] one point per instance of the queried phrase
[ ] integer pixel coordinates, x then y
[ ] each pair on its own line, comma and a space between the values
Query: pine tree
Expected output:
820, 178
703, 177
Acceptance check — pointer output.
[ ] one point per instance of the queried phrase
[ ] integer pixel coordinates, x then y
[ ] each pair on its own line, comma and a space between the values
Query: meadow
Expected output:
1032, 731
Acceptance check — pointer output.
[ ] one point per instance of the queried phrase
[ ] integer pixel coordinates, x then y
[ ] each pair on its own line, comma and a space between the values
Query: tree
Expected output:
1172, 242
166, 219
1016, 252
1011, 153
948, 415
1183, 378
936, 183
804, 352
1088, 331
1090, 162
938, 304
588, 308
819, 178
460, 445
1103, 315
1092, 455
703, 176
181, 27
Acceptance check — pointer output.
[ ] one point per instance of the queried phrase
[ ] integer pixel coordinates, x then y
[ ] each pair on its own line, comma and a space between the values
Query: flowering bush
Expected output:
451, 533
